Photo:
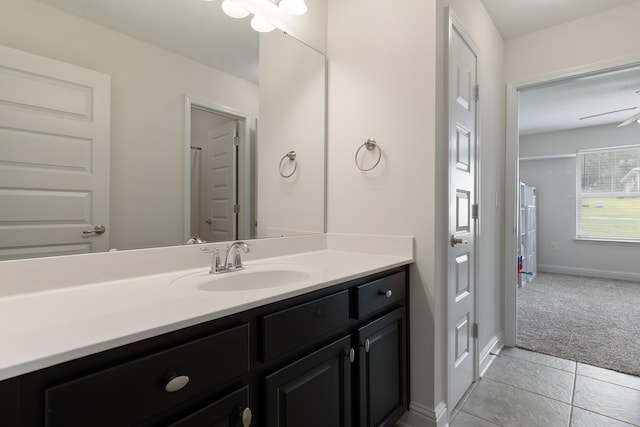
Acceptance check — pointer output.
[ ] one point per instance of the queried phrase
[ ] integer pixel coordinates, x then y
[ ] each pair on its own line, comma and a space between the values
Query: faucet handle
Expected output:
237, 259
215, 263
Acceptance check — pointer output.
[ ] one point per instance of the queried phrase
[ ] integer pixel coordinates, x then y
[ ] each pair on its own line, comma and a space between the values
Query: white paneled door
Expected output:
54, 157
220, 178
462, 101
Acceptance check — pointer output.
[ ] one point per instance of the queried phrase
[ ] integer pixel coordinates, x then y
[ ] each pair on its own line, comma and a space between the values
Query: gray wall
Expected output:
555, 180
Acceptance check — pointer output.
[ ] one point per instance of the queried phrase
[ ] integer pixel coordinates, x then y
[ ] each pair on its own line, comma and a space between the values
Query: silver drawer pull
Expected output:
388, 293
245, 416
177, 383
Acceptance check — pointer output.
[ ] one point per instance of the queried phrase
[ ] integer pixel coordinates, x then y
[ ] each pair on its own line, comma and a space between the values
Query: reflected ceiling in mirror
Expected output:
196, 29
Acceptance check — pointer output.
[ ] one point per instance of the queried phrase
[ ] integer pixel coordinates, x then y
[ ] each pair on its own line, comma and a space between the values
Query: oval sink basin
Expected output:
250, 278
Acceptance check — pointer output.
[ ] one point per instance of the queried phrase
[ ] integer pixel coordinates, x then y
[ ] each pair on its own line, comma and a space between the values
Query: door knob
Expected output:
457, 241
98, 229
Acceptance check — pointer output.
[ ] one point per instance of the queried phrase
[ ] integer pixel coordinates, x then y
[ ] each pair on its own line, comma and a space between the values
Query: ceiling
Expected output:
196, 29
560, 105
517, 17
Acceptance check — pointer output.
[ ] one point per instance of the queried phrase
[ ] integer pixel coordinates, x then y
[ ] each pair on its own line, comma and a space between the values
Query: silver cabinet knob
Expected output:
367, 345
245, 416
351, 354
176, 383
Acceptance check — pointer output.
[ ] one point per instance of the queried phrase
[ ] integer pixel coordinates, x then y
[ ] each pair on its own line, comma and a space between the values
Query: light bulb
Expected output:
261, 25
234, 10
293, 7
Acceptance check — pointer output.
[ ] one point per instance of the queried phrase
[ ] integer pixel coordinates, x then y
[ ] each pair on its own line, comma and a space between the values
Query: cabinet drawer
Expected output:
379, 294
288, 329
231, 410
129, 393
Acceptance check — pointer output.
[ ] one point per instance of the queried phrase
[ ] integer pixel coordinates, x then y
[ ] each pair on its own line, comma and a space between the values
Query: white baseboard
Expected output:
589, 272
421, 416
494, 346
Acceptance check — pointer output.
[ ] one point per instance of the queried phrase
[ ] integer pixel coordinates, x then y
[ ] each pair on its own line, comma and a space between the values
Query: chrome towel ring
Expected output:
369, 144
291, 155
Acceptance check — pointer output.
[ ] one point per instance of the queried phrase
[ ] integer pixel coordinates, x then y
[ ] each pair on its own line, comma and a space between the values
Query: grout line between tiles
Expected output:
573, 395
480, 418
602, 415
609, 382
529, 391
575, 369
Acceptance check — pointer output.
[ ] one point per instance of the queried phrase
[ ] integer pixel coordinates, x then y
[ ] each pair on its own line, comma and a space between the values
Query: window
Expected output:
608, 194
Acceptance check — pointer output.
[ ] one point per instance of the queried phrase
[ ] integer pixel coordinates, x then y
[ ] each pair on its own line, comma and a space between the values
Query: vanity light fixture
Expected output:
234, 10
291, 7
261, 25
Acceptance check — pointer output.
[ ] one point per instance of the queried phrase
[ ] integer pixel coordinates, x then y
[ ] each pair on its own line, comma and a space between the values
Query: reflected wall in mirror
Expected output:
147, 127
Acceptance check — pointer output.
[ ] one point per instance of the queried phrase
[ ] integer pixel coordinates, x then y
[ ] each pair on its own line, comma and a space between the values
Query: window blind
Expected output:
608, 194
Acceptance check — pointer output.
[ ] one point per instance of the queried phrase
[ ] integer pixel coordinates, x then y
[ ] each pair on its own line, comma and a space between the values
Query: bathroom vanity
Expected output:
330, 353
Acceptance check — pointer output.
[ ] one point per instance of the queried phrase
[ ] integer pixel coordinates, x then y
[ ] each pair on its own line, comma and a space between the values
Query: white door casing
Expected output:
462, 275
219, 192
54, 156
512, 176
243, 185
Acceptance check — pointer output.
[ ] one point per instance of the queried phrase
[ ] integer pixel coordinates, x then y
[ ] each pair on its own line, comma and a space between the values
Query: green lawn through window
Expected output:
604, 217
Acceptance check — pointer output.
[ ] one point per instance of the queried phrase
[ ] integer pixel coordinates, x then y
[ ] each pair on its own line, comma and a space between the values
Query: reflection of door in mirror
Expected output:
214, 175
54, 157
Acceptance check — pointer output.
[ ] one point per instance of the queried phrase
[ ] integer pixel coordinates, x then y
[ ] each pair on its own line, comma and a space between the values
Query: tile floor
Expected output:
523, 388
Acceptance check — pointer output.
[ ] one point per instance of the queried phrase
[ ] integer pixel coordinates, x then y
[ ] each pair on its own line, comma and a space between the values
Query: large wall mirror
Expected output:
178, 87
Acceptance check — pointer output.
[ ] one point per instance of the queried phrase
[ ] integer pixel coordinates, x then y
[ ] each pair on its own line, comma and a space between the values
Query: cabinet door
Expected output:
383, 370
231, 411
10, 402
315, 391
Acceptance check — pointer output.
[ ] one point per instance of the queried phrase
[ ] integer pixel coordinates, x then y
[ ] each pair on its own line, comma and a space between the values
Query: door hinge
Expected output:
474, 331
236, 208
236, 140
477, 93
474, 211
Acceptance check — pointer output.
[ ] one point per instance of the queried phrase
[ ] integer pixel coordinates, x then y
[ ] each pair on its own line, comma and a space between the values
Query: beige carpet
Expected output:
590, 320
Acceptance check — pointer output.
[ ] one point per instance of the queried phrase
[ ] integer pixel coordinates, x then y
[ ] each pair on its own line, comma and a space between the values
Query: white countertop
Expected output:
46, 327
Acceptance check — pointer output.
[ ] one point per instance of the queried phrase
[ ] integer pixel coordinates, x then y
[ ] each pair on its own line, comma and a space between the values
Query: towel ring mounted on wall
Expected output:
369, 144
291, 155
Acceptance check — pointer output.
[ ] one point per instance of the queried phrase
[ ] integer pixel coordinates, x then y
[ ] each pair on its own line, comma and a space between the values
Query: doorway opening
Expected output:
218, 181
556, 156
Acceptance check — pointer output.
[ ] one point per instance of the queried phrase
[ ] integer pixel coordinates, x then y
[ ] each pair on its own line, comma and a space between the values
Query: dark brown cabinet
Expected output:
144, 387
232, 410
314, 391
383, 370
335, 357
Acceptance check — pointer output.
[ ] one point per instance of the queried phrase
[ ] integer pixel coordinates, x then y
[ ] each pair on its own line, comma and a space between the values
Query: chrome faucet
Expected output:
232, 260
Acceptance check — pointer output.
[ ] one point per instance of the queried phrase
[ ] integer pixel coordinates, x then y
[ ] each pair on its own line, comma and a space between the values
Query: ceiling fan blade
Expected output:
609, 112
630, 120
